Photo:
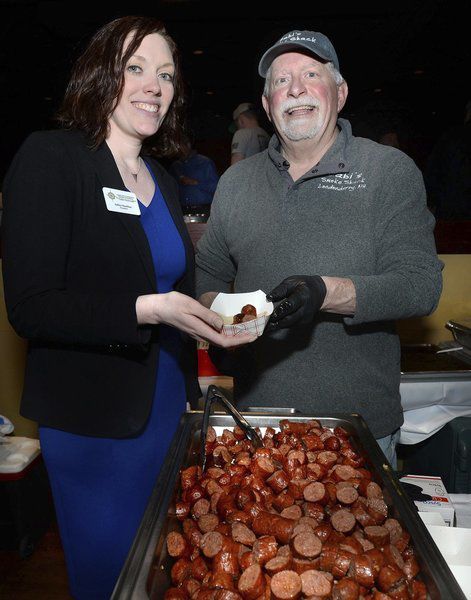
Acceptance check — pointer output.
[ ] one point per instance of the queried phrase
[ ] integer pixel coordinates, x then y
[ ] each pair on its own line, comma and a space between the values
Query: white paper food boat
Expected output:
228, 305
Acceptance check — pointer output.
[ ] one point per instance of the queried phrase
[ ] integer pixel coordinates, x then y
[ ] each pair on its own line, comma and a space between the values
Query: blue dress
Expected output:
101, 486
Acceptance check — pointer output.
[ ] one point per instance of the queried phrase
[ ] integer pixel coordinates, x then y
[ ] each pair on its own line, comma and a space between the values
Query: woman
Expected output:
95, 247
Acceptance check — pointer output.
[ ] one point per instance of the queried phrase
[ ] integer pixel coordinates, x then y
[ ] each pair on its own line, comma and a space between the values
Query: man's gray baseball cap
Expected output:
312, 41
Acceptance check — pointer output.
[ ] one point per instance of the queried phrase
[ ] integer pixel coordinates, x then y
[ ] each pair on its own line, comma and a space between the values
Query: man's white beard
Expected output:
302, 128
299, 131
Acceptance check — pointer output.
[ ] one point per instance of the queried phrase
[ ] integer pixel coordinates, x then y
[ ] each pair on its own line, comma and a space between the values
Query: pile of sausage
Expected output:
299, 518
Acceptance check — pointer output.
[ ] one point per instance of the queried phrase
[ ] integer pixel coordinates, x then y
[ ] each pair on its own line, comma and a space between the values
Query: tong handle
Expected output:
213, 394
249, 431
204, 428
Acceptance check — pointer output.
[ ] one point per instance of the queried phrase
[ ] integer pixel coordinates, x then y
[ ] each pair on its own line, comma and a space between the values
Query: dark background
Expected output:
406, 62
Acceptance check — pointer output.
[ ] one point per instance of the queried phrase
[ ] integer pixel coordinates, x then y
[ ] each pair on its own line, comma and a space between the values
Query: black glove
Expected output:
301, 299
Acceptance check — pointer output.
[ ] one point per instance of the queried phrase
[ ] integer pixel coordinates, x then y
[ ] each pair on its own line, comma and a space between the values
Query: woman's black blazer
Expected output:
72, 272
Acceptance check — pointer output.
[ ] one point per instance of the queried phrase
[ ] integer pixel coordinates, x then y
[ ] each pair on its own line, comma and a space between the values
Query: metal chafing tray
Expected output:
146, 573
461, 331
429, 362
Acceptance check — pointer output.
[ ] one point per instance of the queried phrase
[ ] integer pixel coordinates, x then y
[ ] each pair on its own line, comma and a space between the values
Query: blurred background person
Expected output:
250, 137
98, 270
197, 178
390, 138
448, 172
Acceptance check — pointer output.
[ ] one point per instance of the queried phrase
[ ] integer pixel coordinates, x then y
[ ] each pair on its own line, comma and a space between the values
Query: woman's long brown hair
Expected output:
97, 80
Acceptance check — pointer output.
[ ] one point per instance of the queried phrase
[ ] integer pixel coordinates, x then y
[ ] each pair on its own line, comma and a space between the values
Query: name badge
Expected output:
121, 201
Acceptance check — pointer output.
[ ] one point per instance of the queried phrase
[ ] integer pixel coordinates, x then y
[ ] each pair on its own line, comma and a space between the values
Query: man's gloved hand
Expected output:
301, 299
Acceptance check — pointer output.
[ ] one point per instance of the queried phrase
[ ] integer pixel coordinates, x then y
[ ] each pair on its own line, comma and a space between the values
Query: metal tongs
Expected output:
214, 394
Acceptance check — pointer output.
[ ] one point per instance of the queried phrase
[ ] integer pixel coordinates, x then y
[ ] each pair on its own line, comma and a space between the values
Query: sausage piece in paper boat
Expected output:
228, 305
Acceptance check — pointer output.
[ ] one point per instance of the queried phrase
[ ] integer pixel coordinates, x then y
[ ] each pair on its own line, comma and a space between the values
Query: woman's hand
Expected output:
189, 316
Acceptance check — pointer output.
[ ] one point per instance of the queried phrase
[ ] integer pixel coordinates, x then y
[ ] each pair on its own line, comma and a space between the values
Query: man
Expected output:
197, 179
342, 222
249, 138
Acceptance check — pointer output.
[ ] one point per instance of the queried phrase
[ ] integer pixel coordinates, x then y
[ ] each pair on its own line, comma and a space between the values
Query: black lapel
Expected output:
109, 176
170, 195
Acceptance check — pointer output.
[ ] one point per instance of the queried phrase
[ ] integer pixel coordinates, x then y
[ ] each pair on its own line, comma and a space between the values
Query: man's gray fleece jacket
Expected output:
360, 213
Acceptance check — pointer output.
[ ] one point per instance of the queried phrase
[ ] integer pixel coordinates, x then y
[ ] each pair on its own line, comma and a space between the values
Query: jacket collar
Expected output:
168, 188
109, 176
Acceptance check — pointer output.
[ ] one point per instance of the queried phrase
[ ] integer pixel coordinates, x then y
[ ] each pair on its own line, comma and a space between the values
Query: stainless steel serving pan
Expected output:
461, 331
425, 362
146, 573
